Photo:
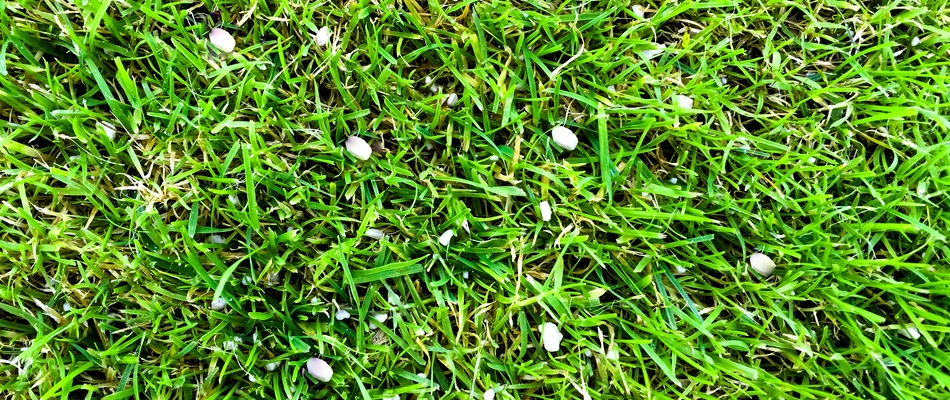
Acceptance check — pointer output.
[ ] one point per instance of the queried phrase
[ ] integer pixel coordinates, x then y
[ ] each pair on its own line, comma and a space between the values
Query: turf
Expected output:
178, 223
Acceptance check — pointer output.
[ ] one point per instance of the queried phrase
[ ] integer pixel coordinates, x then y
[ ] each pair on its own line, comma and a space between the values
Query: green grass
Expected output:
818, 136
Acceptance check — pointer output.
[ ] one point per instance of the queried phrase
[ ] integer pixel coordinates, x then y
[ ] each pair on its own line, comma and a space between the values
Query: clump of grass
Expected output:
179, 222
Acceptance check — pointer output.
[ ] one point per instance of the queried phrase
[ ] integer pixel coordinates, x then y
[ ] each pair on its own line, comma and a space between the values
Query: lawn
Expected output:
683, 199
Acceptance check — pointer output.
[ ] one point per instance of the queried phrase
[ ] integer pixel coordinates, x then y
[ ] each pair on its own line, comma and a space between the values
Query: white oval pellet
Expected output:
222, 40
550, 337
564, 138
108, 129
375, 234
639, 11
684, 101
378, 318
358, 148
446, 237
218, 304
613, 354
323, 36
319, 369
341, 315
910, 332
653, 53
762, 264
545, 211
